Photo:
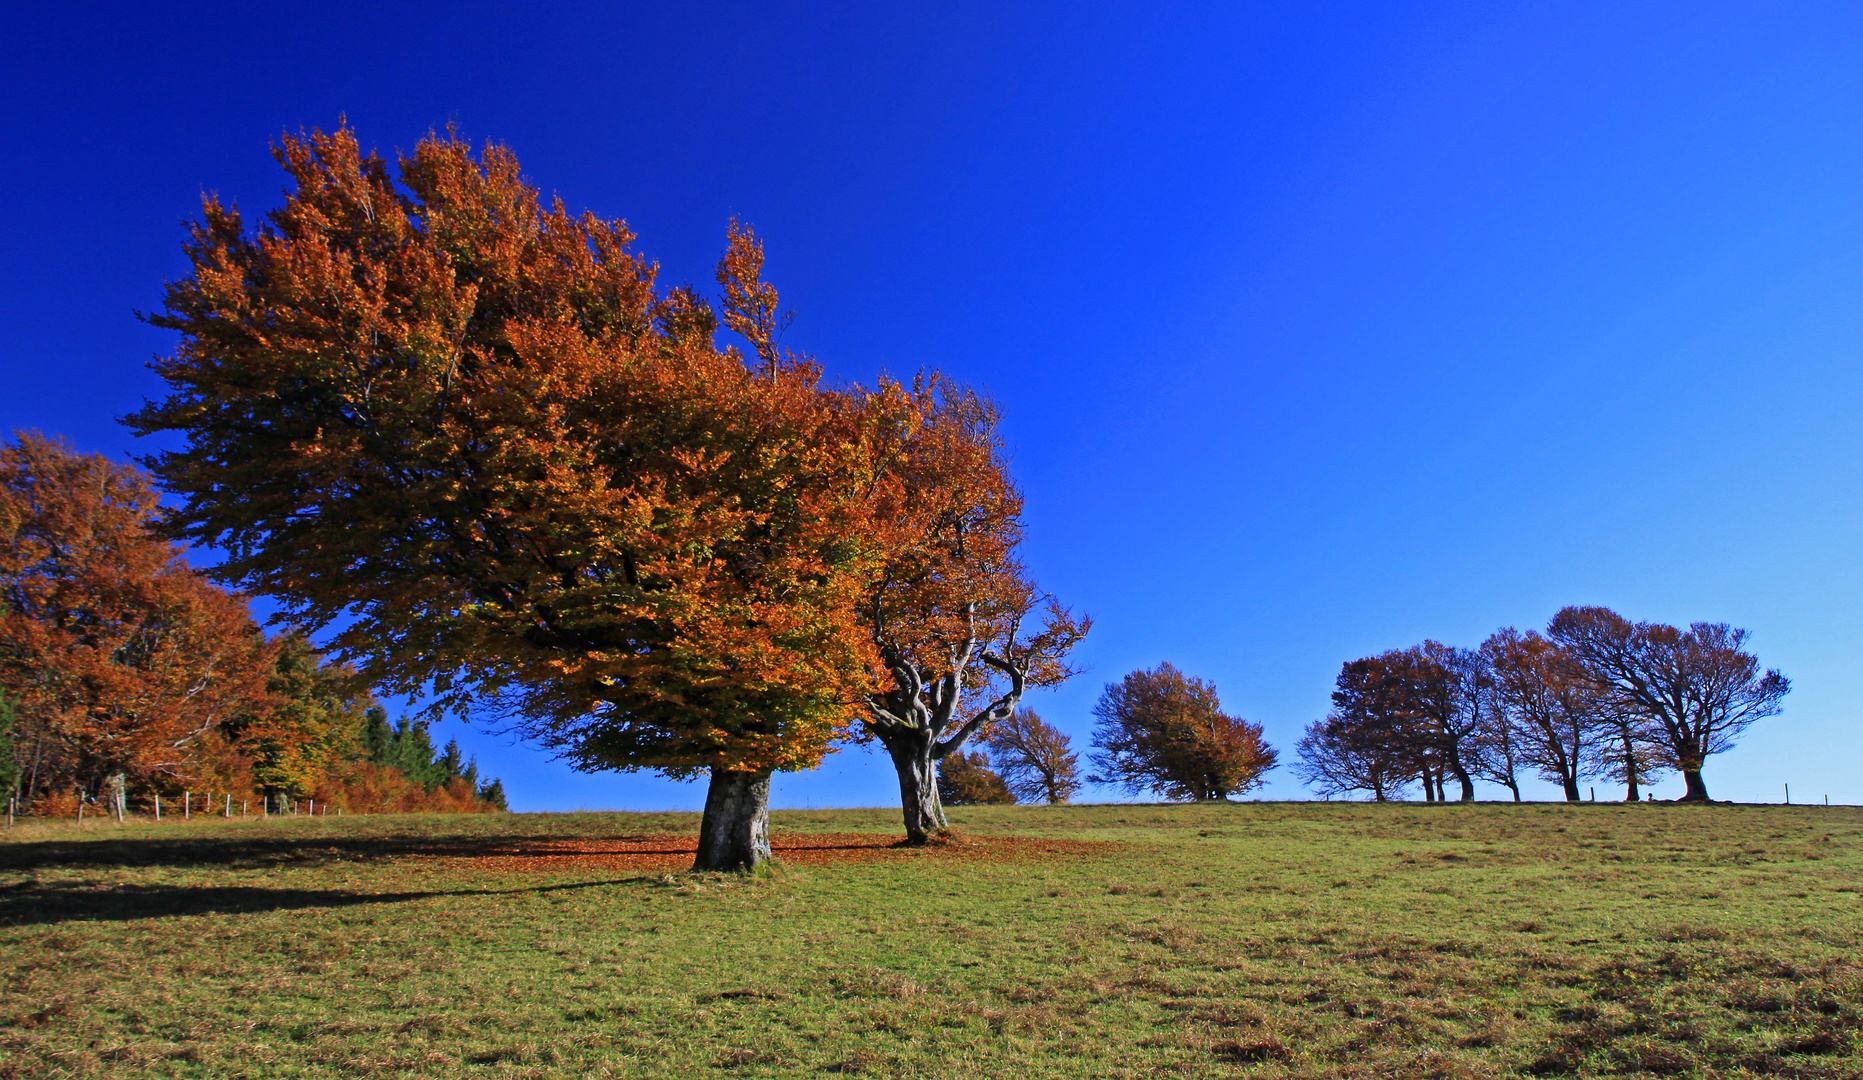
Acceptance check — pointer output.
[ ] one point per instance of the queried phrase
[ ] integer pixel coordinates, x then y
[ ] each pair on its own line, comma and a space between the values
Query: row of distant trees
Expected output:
125, 674
1596, 696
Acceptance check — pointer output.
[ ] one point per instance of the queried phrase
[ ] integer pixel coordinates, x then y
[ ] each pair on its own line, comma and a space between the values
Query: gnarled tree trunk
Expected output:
1462, 777
917, 723
1697, 788
735, 832
914, 761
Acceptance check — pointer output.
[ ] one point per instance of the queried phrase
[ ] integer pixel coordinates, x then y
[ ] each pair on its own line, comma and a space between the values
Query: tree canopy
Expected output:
1034, 758
1162, 731
1691, 691
464, 427
128, 673
117, 658
966, 779
951, 611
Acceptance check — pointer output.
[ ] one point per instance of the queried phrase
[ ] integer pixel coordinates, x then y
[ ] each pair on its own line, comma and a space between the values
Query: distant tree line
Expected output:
1596, 696
125, 674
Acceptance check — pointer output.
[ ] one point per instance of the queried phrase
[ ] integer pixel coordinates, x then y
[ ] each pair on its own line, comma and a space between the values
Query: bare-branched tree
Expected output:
1696, 690
1556, 712
1035, 759
1338, 757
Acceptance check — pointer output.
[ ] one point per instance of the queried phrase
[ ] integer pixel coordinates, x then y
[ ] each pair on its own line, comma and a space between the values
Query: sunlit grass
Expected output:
1269, 940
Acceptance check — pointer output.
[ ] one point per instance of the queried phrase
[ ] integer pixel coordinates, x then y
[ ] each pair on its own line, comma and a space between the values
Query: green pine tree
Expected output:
494, 793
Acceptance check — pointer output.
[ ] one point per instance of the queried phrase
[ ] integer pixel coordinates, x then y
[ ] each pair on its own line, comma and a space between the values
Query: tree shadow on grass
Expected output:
262, 851
39, 904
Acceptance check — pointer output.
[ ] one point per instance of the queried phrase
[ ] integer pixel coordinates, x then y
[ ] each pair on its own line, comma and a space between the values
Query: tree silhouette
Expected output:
1694, 691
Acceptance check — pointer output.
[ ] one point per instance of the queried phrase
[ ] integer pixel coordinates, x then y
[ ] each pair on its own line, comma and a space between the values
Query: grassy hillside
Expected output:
1266, 940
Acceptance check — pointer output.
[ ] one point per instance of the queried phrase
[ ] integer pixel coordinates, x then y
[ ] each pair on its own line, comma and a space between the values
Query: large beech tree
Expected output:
1693, 690
951, 612
464, 428
119, 660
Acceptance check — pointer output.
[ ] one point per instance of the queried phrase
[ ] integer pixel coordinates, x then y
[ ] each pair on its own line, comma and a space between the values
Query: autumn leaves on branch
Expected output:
465, 430
127, 675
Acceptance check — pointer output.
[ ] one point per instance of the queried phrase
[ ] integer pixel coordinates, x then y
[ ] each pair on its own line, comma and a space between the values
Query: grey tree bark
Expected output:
918, 723
734, 834
913, 760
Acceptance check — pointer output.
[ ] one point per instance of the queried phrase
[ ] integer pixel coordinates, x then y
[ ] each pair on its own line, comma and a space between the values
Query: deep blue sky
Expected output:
1321, 328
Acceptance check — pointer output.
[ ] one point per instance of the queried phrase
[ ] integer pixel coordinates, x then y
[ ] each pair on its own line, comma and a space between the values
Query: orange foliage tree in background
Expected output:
463, 426
122, 663
1166, 732
130, 674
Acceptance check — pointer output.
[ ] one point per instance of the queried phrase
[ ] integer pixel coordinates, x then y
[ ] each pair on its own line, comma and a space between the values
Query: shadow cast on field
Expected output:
42, 904
252, 851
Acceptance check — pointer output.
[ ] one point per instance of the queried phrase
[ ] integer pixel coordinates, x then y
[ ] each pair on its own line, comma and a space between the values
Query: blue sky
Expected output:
1321, 328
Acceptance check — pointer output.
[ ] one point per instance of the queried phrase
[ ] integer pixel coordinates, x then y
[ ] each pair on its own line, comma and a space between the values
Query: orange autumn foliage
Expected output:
951, 610
118, 657
362, 787
463, 425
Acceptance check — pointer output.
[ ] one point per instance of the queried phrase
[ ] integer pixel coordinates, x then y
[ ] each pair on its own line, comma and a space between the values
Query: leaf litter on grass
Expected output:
1256, 940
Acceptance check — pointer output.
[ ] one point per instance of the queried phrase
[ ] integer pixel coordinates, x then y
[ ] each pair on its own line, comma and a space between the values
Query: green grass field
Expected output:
1262, 940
